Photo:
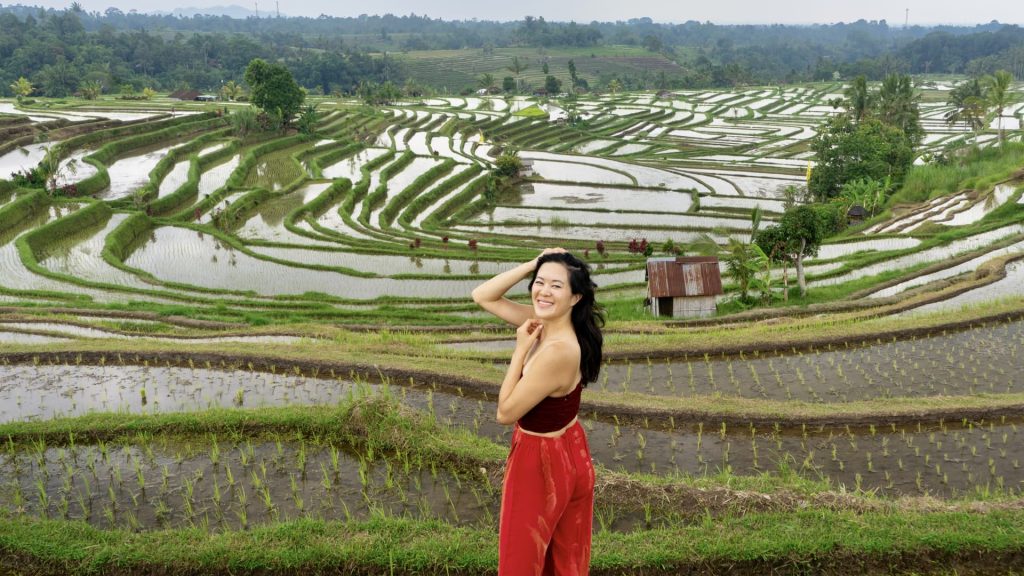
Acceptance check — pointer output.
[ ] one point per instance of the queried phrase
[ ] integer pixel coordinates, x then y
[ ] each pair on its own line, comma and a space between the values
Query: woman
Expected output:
547, 502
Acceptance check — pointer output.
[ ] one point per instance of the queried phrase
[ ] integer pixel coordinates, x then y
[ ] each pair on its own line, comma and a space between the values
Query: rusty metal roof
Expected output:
684, 276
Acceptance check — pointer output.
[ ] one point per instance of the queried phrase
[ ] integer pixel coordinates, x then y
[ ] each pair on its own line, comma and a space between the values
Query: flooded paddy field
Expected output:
223, 484
944, 457
985, 360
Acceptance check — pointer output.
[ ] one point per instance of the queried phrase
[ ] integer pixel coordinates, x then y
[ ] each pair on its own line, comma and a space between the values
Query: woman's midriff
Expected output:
554, 434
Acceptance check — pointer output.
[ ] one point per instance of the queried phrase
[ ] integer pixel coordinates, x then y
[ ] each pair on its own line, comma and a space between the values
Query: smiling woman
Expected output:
548, 494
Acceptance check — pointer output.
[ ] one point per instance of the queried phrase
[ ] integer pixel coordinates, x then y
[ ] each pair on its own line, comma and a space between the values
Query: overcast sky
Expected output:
721, 11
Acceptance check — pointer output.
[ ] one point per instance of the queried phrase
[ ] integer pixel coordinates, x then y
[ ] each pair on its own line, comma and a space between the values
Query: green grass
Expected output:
812, 541
533, 111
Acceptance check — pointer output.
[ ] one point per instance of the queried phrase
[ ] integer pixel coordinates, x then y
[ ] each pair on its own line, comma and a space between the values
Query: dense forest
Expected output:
59, 50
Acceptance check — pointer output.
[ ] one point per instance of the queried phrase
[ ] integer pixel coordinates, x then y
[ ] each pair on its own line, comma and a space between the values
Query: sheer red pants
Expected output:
547, 506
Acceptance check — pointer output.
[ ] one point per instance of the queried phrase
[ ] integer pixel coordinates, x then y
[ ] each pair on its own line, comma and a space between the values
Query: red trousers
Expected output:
547, 505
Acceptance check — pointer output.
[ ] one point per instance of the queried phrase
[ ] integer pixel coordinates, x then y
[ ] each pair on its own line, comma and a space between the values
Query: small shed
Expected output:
856, 213
684, 287
206, 98
525, 168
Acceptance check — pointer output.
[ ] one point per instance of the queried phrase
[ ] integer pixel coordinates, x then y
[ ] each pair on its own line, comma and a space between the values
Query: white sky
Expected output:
924, 12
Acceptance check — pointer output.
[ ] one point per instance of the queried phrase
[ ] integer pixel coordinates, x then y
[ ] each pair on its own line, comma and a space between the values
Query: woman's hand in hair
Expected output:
547, 251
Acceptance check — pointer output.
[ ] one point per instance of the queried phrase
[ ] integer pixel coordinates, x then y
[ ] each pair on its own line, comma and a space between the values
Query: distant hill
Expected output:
232, 11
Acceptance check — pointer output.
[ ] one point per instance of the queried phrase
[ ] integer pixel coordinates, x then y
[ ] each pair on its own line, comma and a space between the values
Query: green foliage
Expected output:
378, 94
831, 216
997, 95
244, 121
969, 169
508, 164
508, 84
847, 151
308, 119
91, 90
552, 85
968, 104
871, 194
273, 89
21, 87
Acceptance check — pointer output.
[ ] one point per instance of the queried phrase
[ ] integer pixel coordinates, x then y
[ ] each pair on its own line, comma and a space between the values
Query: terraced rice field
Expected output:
385, 221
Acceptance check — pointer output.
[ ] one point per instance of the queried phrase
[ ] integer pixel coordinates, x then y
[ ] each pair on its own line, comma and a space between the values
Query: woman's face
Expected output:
551, 293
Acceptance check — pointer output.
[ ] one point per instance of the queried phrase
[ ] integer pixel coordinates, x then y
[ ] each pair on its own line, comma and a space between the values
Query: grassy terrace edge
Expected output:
813, 541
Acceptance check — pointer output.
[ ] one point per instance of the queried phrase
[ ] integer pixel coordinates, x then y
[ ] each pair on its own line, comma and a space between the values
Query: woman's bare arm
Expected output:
491, 294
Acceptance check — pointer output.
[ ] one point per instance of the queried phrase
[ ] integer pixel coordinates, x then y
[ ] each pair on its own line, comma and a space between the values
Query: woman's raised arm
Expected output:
491, 294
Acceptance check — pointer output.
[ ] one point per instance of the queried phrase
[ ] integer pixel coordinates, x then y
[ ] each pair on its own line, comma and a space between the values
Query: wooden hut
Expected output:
684, 287
856, 214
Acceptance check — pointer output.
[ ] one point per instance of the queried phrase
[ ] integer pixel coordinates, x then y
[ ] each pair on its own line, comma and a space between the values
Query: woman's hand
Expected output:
528, 334
548, 251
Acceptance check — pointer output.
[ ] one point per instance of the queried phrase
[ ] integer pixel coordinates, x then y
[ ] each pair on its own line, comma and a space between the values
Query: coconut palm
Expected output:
486, 81
897, 106
230, 91
859, 99
91, 90
997, 95
967, 100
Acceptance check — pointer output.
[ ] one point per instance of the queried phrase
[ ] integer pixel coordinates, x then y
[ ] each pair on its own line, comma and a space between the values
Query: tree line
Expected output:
329, 54
59, 57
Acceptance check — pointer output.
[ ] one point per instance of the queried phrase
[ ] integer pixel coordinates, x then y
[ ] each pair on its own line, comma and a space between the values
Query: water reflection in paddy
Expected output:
350, 167
545, 195
583, 217
935, 254
22, 159
129, 173
1012, 286
190, 257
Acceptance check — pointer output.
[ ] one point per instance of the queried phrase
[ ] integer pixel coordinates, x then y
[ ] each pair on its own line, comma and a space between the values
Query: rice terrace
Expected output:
236, 339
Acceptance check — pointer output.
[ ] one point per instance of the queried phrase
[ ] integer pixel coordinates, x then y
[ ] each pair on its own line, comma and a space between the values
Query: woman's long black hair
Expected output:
587, 314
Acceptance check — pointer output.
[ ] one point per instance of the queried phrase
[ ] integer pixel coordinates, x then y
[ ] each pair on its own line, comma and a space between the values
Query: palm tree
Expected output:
230, 91
486, 81
517, 68
858, 99
997, 88
91, 90
897, 106
966, 98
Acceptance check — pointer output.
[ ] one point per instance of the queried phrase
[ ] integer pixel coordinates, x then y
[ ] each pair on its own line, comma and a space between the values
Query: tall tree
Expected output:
844, 151
968, 102
859, 100
274, 89
517, 67
898, 106
997, 95
797, 235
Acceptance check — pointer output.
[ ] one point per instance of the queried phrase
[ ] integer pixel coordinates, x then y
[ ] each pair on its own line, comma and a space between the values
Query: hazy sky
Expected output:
720, 11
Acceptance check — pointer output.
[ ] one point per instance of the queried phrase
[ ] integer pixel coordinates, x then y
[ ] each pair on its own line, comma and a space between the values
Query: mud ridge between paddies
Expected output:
624, 407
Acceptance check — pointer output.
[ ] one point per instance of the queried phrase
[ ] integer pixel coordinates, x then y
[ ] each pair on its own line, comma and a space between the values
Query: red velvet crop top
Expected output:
552, 414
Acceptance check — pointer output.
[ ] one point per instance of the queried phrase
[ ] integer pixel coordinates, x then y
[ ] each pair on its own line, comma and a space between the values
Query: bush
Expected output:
508, 165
